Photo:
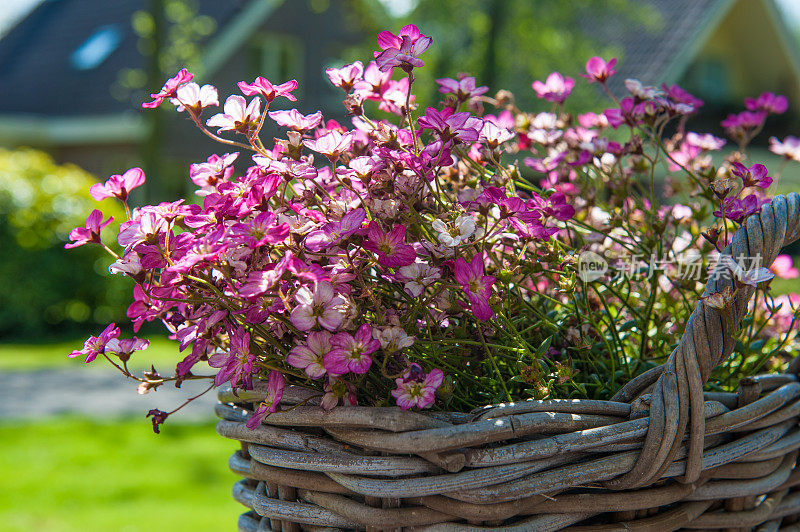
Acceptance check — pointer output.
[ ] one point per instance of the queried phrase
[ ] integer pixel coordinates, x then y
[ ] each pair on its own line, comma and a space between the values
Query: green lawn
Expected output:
30, 356
76, 475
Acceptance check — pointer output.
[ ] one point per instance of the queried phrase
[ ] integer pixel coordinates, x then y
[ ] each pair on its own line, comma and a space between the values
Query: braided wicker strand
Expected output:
706, 342
653, 461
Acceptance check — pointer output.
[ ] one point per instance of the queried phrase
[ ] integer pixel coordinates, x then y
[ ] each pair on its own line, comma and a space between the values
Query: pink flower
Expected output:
238, 116
319, 306
195, 98
783, 267
118, 186
351, 353
275, 387
265, 88
402, 49
391, 248
464, 89
169, 89
789, 148
310, 357
450, 125
125, 348
706, 141
214, 170
237, 364
334, 233
415, 388
555, 89
598, 70
336, 391
768, 102
331, 145
145, 226
345, 77
295, 120
476, 286
259, 282
90, 233
755, 176
96, 345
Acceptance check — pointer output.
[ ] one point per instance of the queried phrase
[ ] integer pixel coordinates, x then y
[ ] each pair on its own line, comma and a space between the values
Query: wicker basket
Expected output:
661, 455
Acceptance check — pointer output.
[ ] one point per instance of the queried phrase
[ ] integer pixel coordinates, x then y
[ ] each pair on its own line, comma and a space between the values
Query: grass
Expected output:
32, 356
77, 475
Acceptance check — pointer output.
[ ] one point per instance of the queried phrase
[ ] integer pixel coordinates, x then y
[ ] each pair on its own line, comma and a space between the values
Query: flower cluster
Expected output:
408, 259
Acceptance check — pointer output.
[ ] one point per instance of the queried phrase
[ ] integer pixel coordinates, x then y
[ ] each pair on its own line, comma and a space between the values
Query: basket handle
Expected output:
677, 398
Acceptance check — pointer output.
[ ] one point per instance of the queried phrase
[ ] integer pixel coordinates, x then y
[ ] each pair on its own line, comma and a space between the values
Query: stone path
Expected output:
32, 395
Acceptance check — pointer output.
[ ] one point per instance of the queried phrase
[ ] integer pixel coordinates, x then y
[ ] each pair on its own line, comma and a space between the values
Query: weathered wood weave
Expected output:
661, 455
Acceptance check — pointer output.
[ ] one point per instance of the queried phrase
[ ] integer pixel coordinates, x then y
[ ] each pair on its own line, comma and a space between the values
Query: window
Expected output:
97, 47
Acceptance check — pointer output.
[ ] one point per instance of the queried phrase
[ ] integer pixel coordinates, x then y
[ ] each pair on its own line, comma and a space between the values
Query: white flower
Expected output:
393, 338
463, 228
417, 277
495, 135
237, 116
196, 97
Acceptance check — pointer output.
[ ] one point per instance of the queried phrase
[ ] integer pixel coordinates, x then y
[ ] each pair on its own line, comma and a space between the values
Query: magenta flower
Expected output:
351, 353
96, 345
415, 388
275, 387
450, 125
236, 365
784, 268
555, 89
402, 49
755, 176
679, 97
295, 120
598, 70
319, 306
90, 233
391, 248
261, 230
309, 357
477, 286
118, 186
738, 209
238, 116
333, 233
345, 77
169, 89
331, 145
464, 89
768, 102
195, 98
789, 147
263, 87
739, 126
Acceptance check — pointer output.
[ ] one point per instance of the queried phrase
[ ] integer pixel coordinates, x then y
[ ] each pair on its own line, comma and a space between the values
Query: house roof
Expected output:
52, 67
663, 48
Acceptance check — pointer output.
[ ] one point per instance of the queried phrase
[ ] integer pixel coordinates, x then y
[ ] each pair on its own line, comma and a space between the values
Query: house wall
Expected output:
744, 57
